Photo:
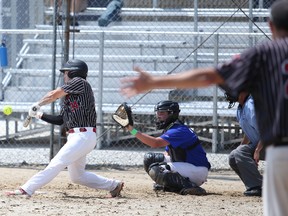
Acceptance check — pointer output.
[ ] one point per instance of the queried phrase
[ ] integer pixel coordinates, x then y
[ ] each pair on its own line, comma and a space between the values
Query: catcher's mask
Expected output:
231, 99
173, 110
75, 68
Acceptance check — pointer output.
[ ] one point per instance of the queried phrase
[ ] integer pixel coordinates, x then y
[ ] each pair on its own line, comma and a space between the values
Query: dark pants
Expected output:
242, 162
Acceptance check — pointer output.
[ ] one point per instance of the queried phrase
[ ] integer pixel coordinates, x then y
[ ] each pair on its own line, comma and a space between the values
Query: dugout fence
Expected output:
161, 40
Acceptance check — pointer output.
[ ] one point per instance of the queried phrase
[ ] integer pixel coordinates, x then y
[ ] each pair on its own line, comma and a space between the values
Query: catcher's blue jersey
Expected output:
181, 136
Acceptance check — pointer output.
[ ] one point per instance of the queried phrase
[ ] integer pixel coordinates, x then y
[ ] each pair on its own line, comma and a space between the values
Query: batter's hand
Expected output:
132, 86
34, 109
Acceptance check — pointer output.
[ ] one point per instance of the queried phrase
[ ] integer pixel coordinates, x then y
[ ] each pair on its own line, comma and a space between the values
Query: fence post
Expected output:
7, 127
155, 3
54, 148
195, 30
251, 16
215, 99
195, 54
100, 92
1, 85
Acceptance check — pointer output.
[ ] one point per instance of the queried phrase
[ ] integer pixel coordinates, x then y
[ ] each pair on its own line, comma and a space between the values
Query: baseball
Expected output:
7, 110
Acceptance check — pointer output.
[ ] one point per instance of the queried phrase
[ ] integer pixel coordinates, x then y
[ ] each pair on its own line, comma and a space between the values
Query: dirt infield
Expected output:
60, 197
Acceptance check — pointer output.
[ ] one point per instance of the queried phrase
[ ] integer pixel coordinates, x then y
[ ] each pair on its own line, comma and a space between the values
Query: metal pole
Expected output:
7, 128
250, 22
52, 148
13, 49
1, 18
195, 56
1, 85
66, 5
155, 3
215, 95
195, 30
261, 5
100, 92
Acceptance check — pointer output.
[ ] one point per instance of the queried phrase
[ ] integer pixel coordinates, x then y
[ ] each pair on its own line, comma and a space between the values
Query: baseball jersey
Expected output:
263, 71
78, 109
247, 120
180, 136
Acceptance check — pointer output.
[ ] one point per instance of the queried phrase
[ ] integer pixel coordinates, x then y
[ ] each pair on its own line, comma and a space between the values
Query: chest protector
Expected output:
179, 154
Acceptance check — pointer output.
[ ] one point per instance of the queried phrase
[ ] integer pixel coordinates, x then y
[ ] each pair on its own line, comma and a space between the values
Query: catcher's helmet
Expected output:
75, 68
231, 99
172, 108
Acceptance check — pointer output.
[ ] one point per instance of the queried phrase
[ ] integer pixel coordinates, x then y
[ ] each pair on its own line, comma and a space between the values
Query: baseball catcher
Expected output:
184, 167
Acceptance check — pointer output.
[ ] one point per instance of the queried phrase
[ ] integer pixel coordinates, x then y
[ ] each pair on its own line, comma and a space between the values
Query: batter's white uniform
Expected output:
73, 156
79, 116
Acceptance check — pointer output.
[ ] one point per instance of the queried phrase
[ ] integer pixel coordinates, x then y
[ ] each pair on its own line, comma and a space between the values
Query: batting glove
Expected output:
34, 109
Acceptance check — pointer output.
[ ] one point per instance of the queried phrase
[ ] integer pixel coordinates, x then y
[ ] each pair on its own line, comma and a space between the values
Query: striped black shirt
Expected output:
263, 71
78, 109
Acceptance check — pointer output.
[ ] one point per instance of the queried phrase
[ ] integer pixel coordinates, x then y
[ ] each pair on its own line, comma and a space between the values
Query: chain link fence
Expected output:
112, 37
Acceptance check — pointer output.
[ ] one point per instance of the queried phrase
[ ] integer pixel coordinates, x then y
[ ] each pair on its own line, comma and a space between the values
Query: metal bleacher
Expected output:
172, 12
124, 36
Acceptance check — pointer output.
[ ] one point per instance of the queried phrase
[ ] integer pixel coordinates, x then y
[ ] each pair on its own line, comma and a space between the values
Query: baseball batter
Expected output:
185, 166
79, 117
263, 71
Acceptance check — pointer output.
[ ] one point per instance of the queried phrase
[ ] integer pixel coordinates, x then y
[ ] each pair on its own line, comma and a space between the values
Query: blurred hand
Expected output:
132, 86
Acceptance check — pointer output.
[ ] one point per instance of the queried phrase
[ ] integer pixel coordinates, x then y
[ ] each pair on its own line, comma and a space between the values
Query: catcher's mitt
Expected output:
123, 115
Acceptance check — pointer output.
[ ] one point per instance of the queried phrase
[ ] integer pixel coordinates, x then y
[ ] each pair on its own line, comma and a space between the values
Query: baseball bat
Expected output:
28, 119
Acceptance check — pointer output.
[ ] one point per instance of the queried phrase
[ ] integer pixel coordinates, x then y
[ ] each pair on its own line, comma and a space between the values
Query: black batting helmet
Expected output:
231, 99
172, 108
75, 68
